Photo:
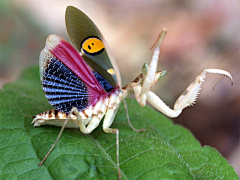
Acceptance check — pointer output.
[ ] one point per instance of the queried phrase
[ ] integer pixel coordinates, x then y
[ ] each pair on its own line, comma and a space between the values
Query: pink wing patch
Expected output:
65, 52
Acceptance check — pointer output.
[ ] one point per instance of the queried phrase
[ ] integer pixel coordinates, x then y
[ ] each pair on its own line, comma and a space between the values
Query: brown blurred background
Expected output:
201, 34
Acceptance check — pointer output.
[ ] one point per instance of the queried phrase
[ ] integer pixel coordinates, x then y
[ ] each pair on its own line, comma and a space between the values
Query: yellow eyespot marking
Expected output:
92, 45
111, 71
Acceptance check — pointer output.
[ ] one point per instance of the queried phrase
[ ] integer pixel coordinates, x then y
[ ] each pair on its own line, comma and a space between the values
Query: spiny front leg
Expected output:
187, 98
151, 71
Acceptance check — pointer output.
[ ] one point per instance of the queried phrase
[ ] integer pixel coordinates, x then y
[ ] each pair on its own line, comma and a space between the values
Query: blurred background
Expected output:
201, 34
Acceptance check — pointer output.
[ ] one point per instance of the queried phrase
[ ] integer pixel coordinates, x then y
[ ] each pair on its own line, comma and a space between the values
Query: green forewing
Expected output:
80, 27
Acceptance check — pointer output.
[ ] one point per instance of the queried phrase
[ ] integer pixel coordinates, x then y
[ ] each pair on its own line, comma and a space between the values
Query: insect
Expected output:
83, 84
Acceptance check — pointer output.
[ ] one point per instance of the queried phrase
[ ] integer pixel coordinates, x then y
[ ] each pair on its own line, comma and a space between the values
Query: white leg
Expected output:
74, 109
107, 122
156, 102
94, 122
187, 98
151, 71
149, 78
128, 118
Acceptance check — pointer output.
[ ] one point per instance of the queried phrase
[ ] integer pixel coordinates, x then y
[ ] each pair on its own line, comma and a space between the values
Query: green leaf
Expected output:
164, 151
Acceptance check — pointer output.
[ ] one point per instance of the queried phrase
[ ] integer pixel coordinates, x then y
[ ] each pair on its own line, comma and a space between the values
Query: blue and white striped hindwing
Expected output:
63, 88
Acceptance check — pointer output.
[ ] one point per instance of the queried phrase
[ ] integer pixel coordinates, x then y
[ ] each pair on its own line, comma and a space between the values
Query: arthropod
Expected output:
83, 84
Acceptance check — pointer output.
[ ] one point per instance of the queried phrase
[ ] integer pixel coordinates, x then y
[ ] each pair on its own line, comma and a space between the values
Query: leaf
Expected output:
164, 151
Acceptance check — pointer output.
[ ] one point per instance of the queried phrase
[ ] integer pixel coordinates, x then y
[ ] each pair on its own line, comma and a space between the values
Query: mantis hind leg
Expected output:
59, 135
107, 122
86, 129
128, 118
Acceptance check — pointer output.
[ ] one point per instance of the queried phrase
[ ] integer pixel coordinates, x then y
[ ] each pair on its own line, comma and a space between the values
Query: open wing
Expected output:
67, 80
88, 41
